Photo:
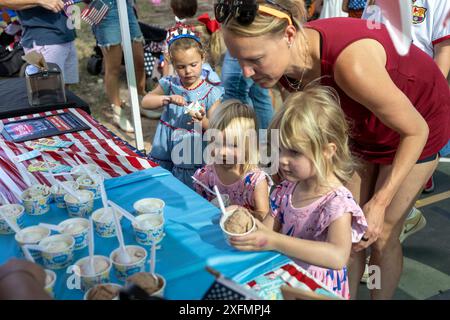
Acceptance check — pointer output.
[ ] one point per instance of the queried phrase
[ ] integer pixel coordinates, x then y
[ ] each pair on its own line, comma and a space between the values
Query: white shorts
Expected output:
64, 55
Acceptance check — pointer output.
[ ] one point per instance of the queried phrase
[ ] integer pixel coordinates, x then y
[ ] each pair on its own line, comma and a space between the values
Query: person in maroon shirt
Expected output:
398, 106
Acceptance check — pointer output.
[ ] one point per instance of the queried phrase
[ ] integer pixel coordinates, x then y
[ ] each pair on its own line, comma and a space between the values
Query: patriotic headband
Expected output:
181, 31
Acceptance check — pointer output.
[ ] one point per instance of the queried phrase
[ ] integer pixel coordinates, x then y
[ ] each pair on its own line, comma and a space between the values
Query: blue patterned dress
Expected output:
177, 147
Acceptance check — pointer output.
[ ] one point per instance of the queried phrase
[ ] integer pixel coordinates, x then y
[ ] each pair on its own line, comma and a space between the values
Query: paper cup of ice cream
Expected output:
14, 213
57, 251
104, 291
150, 228
32, 235
36, 200
104, 224
123, 270
225, 199
237, 223
153, 285
78, 171
79, 209
78, 228
102, 267
58, 193
50, 280
149, 205
85, 182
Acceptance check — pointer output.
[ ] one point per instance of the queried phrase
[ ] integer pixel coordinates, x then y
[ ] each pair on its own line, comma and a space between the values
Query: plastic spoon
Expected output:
33, 247
219, 198
10, 223
124, 212
203, 185
85, 169
153, 261
91, 267
124, 257
4, 199
27, 254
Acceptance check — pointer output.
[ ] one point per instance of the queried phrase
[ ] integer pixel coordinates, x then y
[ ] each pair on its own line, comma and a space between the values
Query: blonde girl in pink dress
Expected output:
234, 169
314, 218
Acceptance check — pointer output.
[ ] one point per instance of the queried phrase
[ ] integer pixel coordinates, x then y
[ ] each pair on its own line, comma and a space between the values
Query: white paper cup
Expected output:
102, 267
118, 286
58, 251
14, 213
81, 209
228, 234
36, 200
161, 284
32, 235
86, 183
105, 228
123, 270
150, 228
78, 228
59, 193
149, 205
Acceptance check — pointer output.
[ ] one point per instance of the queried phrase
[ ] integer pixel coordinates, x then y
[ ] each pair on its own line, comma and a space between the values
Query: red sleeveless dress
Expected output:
416, 75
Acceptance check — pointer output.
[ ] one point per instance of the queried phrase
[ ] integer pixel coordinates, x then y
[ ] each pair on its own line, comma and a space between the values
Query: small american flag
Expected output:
95, 12
225, 289
68, 4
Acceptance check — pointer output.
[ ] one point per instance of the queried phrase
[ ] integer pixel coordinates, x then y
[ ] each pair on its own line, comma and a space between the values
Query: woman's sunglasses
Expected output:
245, 11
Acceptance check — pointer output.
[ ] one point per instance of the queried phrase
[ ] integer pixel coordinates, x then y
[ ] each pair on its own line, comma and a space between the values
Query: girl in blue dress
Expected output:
189, 100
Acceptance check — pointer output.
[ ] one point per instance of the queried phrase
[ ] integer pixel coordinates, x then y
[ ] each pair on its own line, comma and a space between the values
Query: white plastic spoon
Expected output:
91, 267
203, 185
124, 212
219, 198
53, 227
10, 223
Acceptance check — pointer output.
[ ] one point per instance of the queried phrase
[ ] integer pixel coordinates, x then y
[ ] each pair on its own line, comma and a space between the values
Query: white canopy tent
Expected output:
131, 76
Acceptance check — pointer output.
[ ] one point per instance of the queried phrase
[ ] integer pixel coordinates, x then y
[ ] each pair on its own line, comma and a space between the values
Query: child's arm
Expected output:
333, 254
156, 99
271, 223
345, 6
261, 195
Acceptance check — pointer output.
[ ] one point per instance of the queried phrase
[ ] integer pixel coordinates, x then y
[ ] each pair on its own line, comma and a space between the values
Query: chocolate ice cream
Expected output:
239, 222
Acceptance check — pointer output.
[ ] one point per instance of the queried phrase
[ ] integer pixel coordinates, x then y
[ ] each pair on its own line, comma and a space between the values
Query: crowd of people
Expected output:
360, 131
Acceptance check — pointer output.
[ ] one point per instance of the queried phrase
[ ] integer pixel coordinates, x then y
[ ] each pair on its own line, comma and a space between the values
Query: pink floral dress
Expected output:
241, 192
311, 223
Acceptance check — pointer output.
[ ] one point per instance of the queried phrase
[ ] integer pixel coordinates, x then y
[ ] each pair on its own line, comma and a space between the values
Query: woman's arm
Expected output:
360, 72
333, 254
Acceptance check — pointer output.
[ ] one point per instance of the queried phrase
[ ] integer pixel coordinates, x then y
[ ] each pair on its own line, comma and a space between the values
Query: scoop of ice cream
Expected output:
84, 196
103, 292
149, 222
239, 222
135, 254
32, 235
56, 246
100, 265
73, 228
147, 205
36, 192
146, 281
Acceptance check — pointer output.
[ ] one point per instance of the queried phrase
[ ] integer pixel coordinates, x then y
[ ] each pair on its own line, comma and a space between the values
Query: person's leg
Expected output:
138, 57
112, 56
235, 84
362, 186
386, 252
71, 67
262, 103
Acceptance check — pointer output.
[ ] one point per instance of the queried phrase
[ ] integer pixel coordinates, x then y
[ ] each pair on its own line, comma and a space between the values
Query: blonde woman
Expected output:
235, 168
314, 217
398, 107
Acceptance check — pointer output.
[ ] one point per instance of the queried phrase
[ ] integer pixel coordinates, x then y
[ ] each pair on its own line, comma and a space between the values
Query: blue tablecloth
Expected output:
193, 238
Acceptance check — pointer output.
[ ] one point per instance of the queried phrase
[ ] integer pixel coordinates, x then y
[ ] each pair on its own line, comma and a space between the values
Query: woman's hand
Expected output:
259, 240
374, 213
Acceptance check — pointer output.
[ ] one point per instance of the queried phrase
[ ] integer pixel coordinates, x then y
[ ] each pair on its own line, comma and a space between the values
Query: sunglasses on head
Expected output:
245, 11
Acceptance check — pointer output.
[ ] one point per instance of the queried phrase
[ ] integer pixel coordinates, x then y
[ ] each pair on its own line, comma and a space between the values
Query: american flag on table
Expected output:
96, 146
94, 12
226, 289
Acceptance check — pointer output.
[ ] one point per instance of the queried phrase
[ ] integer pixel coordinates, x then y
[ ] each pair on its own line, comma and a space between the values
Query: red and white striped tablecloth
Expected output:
97, 146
